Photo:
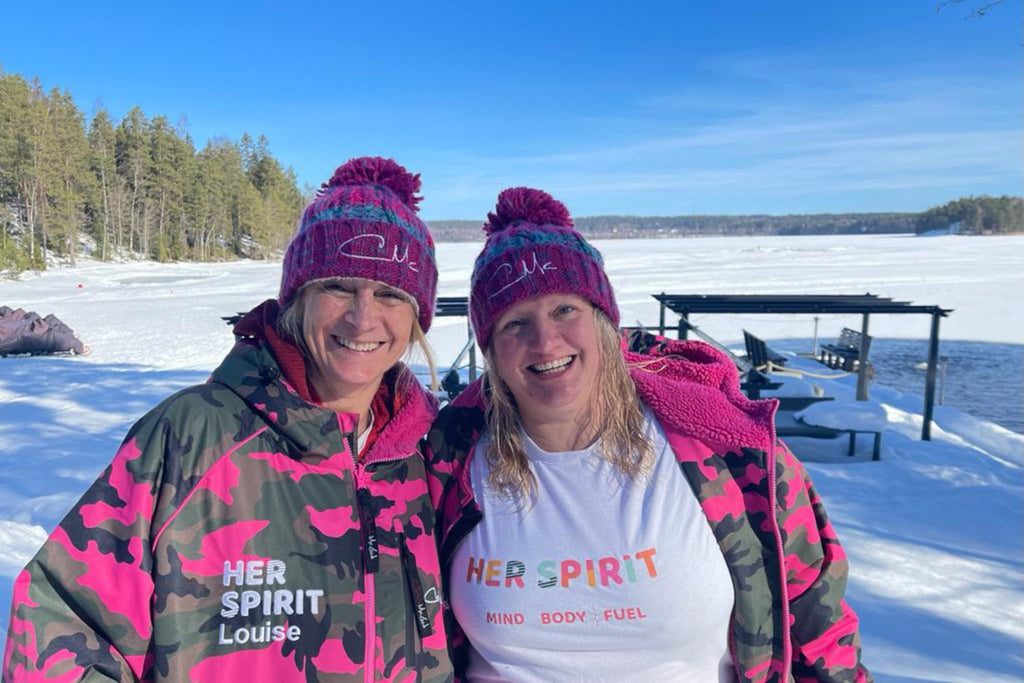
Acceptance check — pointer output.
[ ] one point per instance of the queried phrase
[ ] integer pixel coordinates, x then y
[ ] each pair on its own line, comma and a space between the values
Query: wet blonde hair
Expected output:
292, 323
618, 413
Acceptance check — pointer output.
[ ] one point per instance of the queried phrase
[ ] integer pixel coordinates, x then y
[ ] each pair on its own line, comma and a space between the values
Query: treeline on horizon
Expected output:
982, 215
137, 188
974, 215
614, 227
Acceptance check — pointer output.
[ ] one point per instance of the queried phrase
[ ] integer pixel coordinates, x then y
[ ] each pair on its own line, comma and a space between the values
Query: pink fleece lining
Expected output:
410, 421
696, 387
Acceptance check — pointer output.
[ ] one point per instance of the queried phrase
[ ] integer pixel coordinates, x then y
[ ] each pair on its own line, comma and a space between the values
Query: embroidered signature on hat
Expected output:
344, 249
507, 271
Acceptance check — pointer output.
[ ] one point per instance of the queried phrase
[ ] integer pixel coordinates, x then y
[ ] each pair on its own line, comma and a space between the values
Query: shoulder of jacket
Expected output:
195, 424
195, 404
455, 430
209, 396
455, 415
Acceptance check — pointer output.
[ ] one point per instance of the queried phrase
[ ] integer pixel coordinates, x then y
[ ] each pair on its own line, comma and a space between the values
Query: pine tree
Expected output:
104, 166
220, 167
71, 180
163, 181
181, 214
132, 154
16, 168
35, 181
282, 201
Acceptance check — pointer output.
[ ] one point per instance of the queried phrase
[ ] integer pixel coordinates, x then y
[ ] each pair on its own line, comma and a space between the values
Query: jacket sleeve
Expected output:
824, 629
448, 443
82, 608
438, 470
450, 440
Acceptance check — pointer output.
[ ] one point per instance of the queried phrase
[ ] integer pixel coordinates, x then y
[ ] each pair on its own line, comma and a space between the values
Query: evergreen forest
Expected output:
134, 188
975, 215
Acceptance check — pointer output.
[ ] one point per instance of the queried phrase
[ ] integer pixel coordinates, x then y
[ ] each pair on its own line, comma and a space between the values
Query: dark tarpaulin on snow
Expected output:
26, 332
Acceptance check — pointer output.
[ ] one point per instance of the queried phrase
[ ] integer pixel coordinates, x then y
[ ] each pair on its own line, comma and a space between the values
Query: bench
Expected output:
845, 353
787, 424
753, 382
759, 355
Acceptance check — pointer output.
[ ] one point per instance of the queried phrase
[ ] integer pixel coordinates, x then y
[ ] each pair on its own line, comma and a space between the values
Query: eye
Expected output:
338, 288
565, 309
391, 297
512, 324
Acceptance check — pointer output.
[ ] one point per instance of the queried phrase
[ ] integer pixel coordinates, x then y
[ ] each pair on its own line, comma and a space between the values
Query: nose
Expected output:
364, 312
545, 333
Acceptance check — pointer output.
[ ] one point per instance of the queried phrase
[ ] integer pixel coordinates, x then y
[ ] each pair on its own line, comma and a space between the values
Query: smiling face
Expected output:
546, 351
355, 331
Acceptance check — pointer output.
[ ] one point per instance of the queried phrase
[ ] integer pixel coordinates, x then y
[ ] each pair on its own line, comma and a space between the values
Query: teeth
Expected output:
552, 366
359, 346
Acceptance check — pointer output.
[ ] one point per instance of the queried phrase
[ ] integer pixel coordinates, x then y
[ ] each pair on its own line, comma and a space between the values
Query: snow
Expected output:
934, 530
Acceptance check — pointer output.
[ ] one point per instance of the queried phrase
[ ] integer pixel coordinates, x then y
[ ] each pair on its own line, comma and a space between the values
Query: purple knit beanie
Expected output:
363, 223
533, 249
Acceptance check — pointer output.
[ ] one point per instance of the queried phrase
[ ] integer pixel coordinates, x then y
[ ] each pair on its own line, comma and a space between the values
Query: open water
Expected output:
983, 379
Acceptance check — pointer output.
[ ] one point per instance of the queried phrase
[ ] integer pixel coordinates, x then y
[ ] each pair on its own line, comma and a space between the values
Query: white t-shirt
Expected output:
602, 578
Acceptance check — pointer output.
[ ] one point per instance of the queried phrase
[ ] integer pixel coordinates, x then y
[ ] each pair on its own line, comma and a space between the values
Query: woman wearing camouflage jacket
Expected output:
274, 523
620, 512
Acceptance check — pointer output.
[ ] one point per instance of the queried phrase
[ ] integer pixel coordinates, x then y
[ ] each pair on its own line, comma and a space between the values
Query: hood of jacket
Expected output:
694, 388
277, 392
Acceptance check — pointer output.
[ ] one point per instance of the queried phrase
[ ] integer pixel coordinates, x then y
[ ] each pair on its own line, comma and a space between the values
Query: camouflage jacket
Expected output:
235, 537
790, 621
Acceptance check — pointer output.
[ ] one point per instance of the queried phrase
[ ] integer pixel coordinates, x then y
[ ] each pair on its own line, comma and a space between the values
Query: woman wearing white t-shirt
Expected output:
615, 509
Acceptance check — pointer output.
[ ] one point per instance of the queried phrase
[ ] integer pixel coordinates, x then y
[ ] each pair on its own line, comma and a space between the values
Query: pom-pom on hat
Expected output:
533, 249
363, 223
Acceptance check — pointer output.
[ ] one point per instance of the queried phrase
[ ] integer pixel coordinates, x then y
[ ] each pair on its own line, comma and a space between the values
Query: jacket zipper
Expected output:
371, 553
363, 504
787, 647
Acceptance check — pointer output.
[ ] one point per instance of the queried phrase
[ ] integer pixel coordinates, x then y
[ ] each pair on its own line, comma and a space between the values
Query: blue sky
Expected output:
677, 107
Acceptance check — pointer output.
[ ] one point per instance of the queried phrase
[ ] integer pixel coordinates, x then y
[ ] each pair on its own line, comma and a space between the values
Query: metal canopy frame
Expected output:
454, 307
863, 304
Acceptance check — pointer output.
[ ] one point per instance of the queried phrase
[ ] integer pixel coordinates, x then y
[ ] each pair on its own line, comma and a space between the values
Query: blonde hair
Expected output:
618, 412
292, 323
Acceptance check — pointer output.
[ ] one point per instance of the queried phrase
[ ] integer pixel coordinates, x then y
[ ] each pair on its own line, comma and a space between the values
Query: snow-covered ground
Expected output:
933, 530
